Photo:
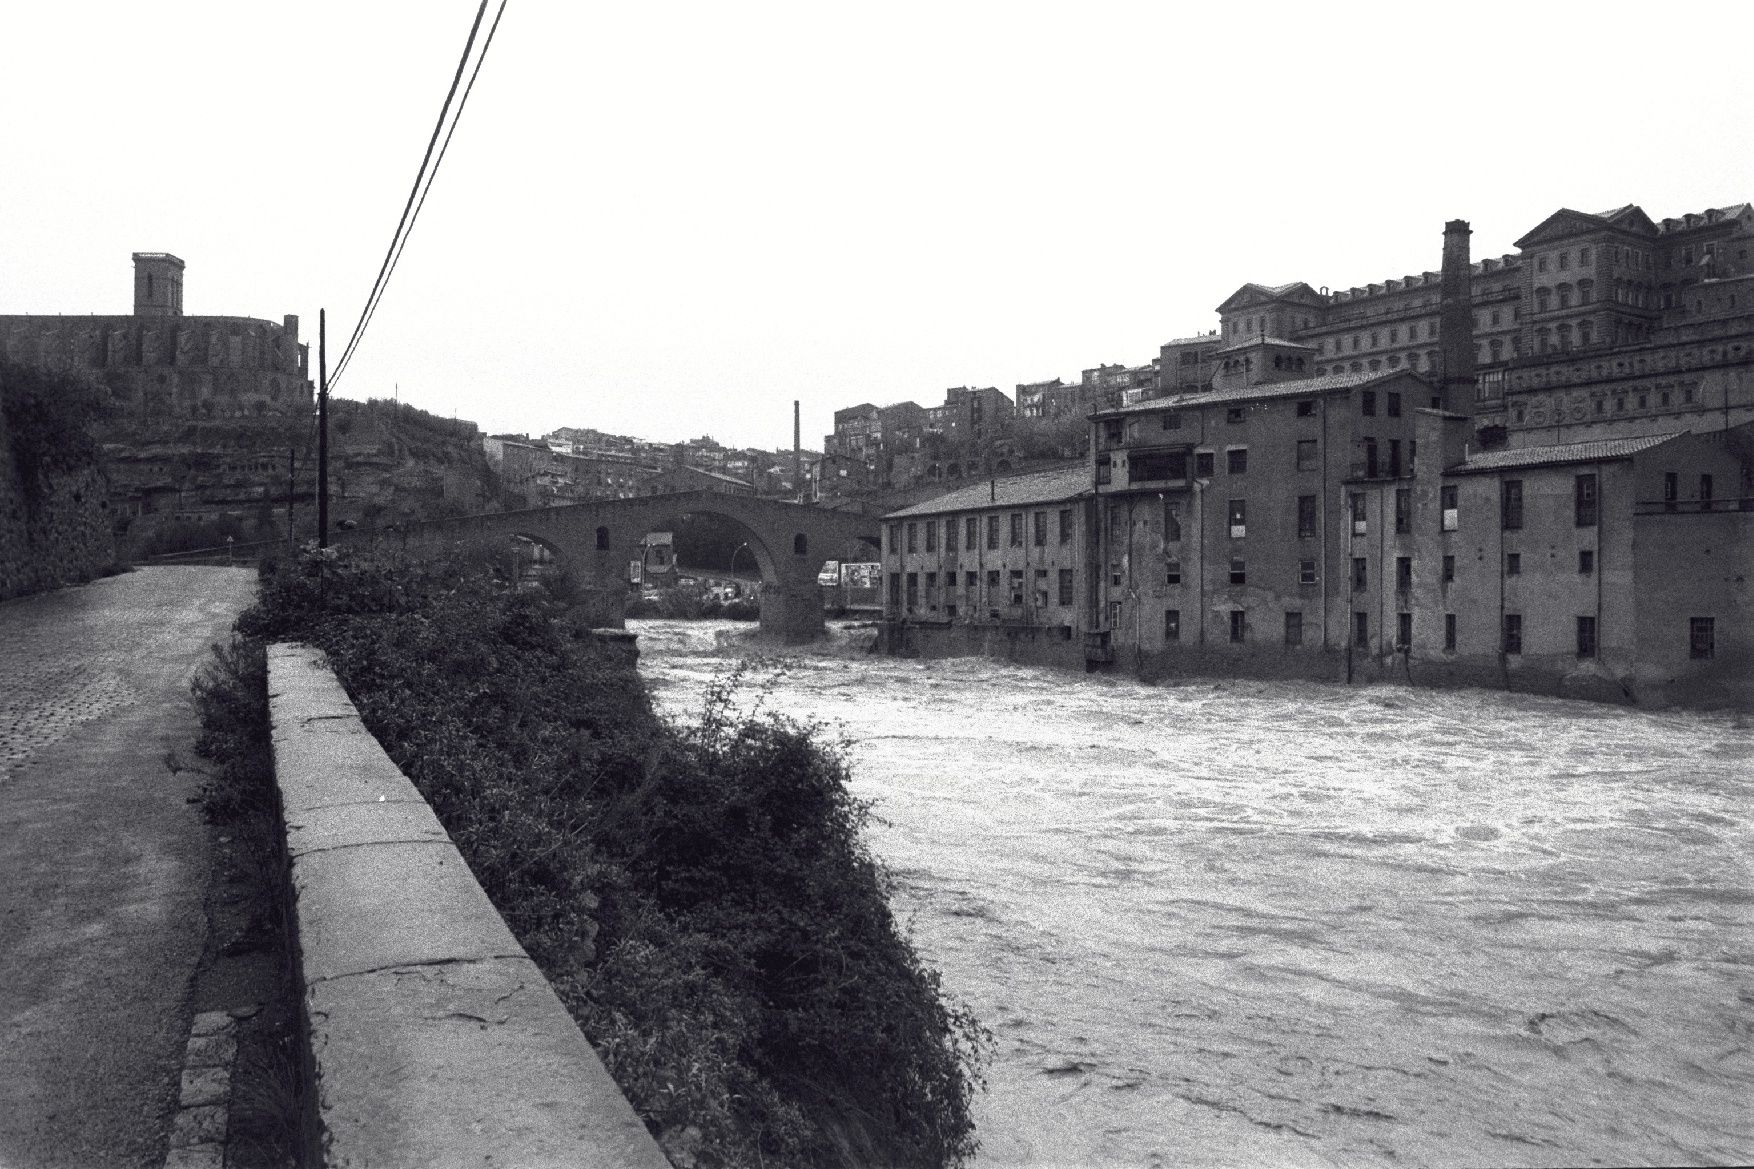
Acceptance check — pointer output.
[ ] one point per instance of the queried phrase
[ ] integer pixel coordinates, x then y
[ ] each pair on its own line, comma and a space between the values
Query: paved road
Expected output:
103, 860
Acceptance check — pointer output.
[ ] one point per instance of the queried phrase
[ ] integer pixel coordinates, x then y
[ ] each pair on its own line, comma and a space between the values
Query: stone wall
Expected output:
53, 532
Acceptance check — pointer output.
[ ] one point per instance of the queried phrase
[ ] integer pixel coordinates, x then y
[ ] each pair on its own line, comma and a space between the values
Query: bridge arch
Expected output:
596, 542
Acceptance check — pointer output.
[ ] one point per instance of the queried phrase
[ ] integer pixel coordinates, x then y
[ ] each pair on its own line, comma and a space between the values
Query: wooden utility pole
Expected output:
322, 428
291, 490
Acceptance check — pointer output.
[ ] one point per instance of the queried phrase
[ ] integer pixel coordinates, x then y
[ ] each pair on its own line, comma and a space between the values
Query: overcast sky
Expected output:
671, 220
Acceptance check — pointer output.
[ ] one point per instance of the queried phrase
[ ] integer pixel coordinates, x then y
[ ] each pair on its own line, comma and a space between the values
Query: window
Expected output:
1238, 625
971, 532
1513, 563
1584, 501
1293, 628
992, 586
1040, 525
1016, 529
1238, 571
1359, 524
1238, 519
1403, 574
1155, 466
1586, 637
1306, 408
1370, 462
1513, 633
1172, 572
931, 535
1172, 521
1306, 454
1449, 569
913, 591
1451, 515
1041, 588
1203, 464
931, 590
1671, 490
1367, 403
1172, 625
1065, 586
1361, 630
1115, 576
1306, 572
1016, 583
1586, 560
913, 536
949, 535
1449, 632
1360, 574
1394, 458
1701, 637
1236, 461
603, 537
1394, 405
1173, 419
1510, 504
1235, 414
1403, 631
894, 597
1306, 516
1065, 525
1705, 492
1403, 509
971, 583
992, 531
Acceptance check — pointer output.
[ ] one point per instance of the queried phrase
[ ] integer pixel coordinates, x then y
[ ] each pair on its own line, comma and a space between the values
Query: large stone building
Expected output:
158, 364
1534, 472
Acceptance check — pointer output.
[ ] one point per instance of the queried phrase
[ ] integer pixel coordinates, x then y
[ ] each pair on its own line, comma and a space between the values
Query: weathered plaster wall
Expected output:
54, 532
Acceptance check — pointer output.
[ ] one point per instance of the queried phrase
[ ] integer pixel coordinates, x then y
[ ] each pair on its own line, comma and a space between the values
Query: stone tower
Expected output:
1455, 320
158, 285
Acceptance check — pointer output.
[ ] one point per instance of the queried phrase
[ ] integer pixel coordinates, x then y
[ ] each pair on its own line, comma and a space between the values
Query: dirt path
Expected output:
103, 860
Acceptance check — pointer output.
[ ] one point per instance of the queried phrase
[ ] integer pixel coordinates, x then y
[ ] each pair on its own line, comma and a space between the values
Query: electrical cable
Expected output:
400, 244
422, 181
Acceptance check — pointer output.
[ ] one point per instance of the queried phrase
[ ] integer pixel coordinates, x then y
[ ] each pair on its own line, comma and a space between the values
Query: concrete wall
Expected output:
433, 1038
57, 534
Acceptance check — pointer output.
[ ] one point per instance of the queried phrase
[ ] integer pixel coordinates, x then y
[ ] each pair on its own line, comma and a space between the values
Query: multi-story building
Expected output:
1479, 496
157, 363
1002, 554
541, 476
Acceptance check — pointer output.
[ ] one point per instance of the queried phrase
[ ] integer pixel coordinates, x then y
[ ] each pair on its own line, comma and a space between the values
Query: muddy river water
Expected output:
1253, 924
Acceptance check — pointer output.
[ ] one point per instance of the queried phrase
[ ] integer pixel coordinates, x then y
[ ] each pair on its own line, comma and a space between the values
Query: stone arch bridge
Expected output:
596, 541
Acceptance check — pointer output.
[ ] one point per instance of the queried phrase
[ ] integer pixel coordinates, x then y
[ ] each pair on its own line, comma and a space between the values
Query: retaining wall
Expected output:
54, 531
433, 1038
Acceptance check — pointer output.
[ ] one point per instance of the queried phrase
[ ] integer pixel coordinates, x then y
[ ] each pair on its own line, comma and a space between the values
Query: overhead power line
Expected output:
423, 180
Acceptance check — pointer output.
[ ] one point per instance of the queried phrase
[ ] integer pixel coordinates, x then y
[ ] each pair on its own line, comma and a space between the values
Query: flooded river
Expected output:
1254, 924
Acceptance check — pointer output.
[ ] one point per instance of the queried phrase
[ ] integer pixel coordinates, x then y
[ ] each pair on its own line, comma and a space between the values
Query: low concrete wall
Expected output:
433, 1038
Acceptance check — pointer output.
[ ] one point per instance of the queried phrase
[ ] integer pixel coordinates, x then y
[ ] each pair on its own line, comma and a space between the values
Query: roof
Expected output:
1299, 388
1263, 339
1054, 486
1596, 450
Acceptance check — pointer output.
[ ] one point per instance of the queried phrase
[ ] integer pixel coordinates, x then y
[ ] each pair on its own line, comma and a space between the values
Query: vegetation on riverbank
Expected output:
693, 602
700, 896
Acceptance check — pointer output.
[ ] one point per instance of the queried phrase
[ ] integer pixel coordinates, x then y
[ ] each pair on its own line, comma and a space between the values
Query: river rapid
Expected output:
1269, 923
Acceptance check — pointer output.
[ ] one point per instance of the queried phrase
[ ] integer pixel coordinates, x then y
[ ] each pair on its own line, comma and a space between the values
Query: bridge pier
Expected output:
792, 612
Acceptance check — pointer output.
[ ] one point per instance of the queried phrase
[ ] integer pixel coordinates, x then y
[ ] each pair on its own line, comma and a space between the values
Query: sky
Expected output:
674, 219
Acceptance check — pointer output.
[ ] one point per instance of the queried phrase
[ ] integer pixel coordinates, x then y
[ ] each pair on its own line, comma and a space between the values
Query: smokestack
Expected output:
1455, 321
797, 454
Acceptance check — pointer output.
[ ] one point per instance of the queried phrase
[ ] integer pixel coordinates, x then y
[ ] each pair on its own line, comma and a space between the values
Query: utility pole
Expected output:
291, 489
322, 428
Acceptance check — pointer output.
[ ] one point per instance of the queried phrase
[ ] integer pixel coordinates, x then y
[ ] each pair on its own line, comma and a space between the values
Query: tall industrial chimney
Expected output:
1455, 321
797, 455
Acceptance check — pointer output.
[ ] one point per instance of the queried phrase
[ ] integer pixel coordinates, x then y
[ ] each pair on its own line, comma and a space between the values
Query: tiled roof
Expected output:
1552, 456
1299, 388
1053, 486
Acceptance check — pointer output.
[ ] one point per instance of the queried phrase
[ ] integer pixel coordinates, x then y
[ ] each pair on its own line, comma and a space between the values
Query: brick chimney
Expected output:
1455, 321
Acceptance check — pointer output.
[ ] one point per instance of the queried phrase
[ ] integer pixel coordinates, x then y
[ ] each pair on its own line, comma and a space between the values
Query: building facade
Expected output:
157, 364
1533, 472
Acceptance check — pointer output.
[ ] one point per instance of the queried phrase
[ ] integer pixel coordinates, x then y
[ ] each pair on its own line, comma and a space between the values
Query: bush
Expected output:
701, 896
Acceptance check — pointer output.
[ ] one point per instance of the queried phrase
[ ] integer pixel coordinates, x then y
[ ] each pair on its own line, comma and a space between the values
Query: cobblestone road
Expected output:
103, 859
